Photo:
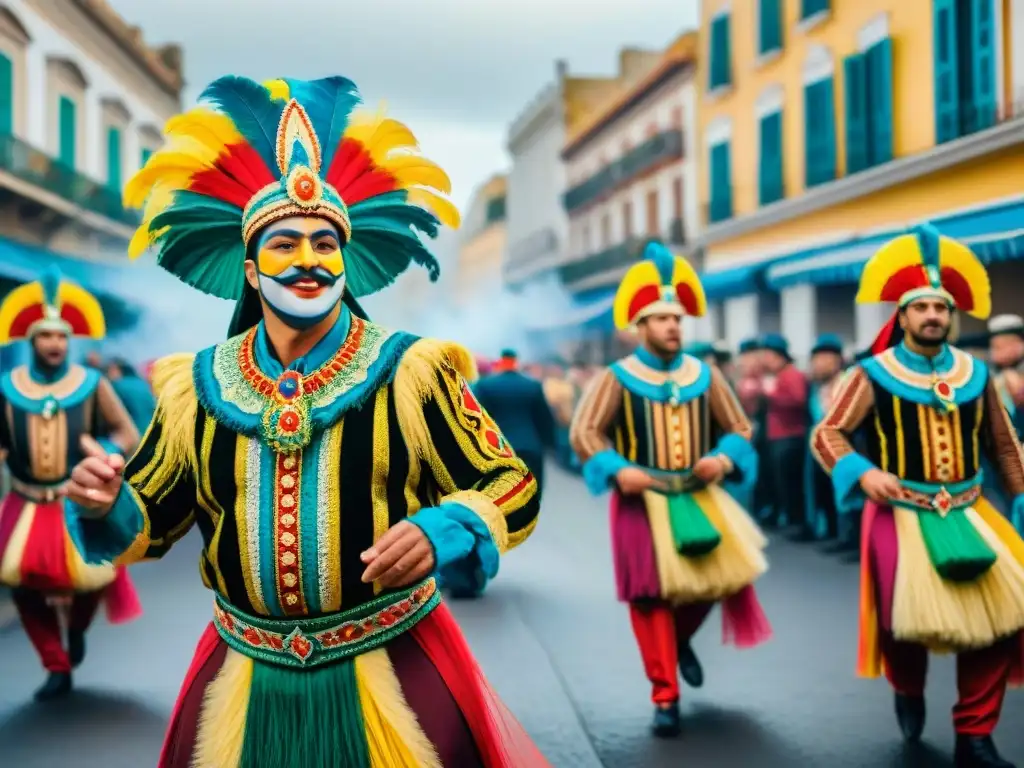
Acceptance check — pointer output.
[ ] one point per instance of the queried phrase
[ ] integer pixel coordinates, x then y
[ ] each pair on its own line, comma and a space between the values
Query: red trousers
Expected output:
43, 628
659, 630
981, 677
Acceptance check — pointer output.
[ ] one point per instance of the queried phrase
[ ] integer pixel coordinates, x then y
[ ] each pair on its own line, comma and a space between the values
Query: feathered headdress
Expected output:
661, 283
50, 304
253, 154
923, 264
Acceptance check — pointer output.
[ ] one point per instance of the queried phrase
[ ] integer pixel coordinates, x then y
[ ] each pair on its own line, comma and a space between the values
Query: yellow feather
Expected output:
221, 730
204, 125
639, 276
441, 207
160, 198
897, 254
18, 300
393, 733
684, 273
380, 135
279, 90
958, 257
414, 170
166, 167
86, 303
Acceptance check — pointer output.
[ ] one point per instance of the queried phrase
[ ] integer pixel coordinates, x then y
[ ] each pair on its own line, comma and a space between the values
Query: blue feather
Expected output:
928, 242
254, 113
50, 280
329, 102
662, 258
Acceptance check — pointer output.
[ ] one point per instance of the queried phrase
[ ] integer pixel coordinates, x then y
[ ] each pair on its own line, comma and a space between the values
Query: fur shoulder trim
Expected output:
177, 408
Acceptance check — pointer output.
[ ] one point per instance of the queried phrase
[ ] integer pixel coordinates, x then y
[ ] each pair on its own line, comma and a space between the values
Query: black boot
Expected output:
978, 752
689, 666
58, 684
666, 723
76, 647
910, 715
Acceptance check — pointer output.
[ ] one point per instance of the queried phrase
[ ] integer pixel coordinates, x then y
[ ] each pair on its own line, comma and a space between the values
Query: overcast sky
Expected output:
457, 71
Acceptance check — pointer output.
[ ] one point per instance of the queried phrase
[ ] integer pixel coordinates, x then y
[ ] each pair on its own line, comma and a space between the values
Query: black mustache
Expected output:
321, 276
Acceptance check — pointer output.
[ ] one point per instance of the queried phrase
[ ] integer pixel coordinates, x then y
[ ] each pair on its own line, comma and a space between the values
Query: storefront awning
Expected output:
993, 232
731, 282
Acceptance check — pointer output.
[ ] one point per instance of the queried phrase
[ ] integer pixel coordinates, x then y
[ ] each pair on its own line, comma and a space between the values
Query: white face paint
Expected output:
298, 311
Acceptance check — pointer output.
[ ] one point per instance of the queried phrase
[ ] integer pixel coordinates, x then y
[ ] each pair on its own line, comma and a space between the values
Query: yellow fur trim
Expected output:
487, 511
950, 616
221, 732
737, 561
176, 411
393, 733
416, 381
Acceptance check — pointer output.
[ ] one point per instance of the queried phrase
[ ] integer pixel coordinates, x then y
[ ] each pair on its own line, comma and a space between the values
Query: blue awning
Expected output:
994, 234
731, 282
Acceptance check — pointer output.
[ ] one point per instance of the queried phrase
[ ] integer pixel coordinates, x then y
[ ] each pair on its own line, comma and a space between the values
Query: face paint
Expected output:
301, 272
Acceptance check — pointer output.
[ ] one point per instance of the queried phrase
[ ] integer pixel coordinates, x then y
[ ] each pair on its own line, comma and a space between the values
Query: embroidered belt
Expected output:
40, 494
941, 501
311, 642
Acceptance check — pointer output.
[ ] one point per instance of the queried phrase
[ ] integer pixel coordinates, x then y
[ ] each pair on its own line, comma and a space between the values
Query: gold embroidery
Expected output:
942, 439
329, 519
627, 404
381, 468
48, 446
487, 511
209, 502
901, 449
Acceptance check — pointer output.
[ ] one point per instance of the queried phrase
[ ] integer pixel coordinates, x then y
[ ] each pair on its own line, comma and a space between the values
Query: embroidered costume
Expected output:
290, 473
44, 411
679, 551
941, 570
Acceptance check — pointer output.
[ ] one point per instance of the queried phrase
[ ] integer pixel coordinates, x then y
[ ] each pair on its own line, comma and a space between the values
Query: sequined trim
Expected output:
941, 502
481, 423
311, 642
328, 519
253, 480
286, 534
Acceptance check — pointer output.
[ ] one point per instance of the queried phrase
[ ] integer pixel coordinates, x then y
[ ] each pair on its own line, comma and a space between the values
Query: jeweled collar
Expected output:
236, 386
674, 382
950, 378
25, 392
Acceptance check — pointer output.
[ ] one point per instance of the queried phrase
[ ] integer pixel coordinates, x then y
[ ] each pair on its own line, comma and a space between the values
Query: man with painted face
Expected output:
662, 430
334, 468
941, 570
46, 408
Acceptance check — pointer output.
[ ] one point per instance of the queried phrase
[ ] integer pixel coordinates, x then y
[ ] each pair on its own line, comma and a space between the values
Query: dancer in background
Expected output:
333, 467
646, 429
826, 371
46, 408
942, 570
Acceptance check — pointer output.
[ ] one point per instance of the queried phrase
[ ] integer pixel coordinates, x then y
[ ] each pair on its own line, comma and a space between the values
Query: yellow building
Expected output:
483, 242
827, 126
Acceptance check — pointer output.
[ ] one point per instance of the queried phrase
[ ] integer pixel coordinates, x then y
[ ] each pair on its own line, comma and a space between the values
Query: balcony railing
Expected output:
38, 168
667, 145
616, 257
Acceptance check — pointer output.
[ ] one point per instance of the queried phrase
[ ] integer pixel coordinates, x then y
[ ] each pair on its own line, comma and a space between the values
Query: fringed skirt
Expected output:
37, 552
901, 589
420, 701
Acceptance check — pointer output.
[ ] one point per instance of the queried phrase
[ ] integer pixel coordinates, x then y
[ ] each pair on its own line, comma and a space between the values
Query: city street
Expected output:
558, 647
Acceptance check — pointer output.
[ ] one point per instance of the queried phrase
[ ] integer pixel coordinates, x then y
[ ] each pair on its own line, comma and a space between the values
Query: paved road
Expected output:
558, 648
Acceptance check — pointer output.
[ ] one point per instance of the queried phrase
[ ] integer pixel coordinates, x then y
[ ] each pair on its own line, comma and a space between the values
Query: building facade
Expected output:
83, 100
827, 127
482, 243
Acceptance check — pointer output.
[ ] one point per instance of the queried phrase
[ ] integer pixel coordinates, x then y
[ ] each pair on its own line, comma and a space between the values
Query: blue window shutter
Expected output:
770, 170
879, 71
770, 23
720, 69
114, 158
67, 132
6, 96
947, 82
855, 92
144, 156
811, 137
828, 129
810, 7
982, 109
721, 183
820, 132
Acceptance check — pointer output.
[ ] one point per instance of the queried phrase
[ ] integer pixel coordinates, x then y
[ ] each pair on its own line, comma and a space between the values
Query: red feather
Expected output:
240, 174
958, 288
886, 336
73, 316
355, 176
24, 320
687, 298
906, 279
646, 295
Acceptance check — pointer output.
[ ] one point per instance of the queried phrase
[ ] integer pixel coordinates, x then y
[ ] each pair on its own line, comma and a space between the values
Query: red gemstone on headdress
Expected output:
305, 188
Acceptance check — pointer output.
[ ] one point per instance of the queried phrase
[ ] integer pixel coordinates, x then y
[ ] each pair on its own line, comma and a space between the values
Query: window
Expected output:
720, 69
770, 165
820, 132
627, 220
677, 198
720, 207
652, 213
869, 109
769, 27
965, 89
856, 94
809, 8
114, 158
67, 132
144, 156
606, 231
6, 96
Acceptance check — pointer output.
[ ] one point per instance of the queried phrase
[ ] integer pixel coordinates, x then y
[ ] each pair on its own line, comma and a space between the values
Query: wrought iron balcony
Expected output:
662, 147
609, 260
36, 167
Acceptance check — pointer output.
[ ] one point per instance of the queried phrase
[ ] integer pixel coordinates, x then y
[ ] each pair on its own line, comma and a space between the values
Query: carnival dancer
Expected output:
645, 428
1006, 354
826, 370
333, 467
46, 406
941, 570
